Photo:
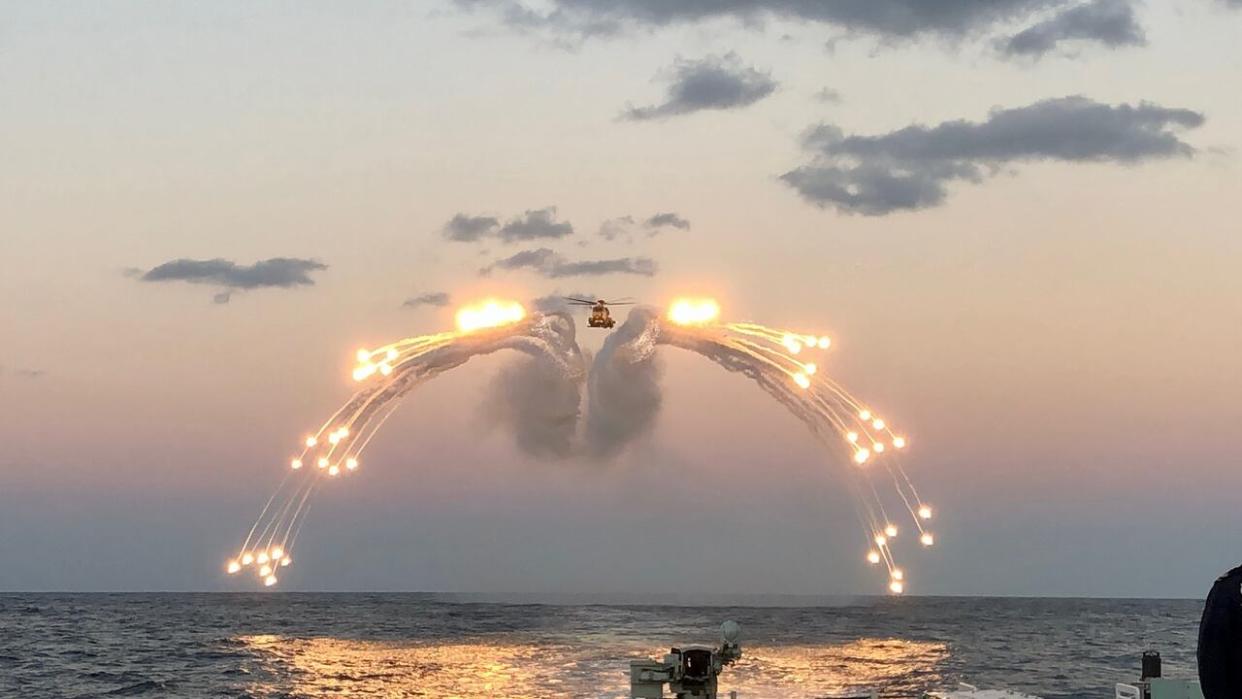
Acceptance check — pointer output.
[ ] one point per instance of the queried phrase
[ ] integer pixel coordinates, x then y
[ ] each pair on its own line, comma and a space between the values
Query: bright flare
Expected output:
489, 314
898, 574
878, 424
896, 587
873, 557
877, 448
234, 566
247, 559
899, 442
278, 553
864, 415
296, 464
693, 311
861, 456
269, 580
363, 356
334, 470
890, 530
802, 380
852, 436
824, 343
262, 557
323, 462
265, 570
881, 540
351, 463
311, 441
925, 512
927, 539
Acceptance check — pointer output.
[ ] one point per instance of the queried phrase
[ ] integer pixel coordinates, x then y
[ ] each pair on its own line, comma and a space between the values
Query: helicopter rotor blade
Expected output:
578, 300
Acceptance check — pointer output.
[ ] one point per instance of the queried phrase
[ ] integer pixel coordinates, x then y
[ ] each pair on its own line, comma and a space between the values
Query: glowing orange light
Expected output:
802, 380
890, 530
296, 464
311, 441
873, 557
247, 559
899, 442
925, 511
269, 580
927, 539
491, 313
234, 566
693, 311
896, 587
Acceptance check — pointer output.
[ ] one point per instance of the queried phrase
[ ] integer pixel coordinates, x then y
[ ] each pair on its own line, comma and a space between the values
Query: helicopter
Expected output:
599, 318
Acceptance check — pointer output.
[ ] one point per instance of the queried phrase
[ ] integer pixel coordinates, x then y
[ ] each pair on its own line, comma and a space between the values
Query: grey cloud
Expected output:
222, 298
623, 227
667, 220
911, 168
464, 228
641, 266
278, 272
1111, 23
715, 82
555, 302
535, 224
893, 18
615, 228
552, 265
433, 298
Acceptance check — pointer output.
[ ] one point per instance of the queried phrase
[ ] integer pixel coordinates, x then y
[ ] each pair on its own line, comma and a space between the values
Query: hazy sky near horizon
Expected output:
1018, 219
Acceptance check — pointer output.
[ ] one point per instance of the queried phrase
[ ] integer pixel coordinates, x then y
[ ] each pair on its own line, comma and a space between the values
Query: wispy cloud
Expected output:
464, 228
277, 272
547, 263
433, 298
713, 83
623, 227
910, 168
888, 18
1110, 23
533, 224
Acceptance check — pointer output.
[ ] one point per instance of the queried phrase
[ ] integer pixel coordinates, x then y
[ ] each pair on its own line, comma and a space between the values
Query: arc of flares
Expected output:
773, 358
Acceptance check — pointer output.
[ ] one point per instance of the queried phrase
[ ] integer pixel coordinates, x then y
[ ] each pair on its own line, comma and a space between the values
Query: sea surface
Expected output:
434, 645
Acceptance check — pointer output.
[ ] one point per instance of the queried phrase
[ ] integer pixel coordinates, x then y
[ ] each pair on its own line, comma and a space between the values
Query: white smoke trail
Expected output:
392, 372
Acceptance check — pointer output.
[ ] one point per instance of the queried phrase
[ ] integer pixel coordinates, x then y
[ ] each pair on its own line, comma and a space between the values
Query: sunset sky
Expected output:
1018, 219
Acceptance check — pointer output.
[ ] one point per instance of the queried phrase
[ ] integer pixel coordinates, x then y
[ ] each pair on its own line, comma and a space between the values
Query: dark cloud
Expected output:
893, 18
667, 220
715, 82
552, 265
433, 298
464, 228
278, 272
910, 168
536, 224
1108, 22
222, 298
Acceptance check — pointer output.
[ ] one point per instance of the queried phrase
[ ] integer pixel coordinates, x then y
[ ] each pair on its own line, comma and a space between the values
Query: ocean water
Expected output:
428, 645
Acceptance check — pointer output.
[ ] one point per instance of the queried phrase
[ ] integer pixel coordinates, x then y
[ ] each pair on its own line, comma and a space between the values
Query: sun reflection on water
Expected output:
521, 668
